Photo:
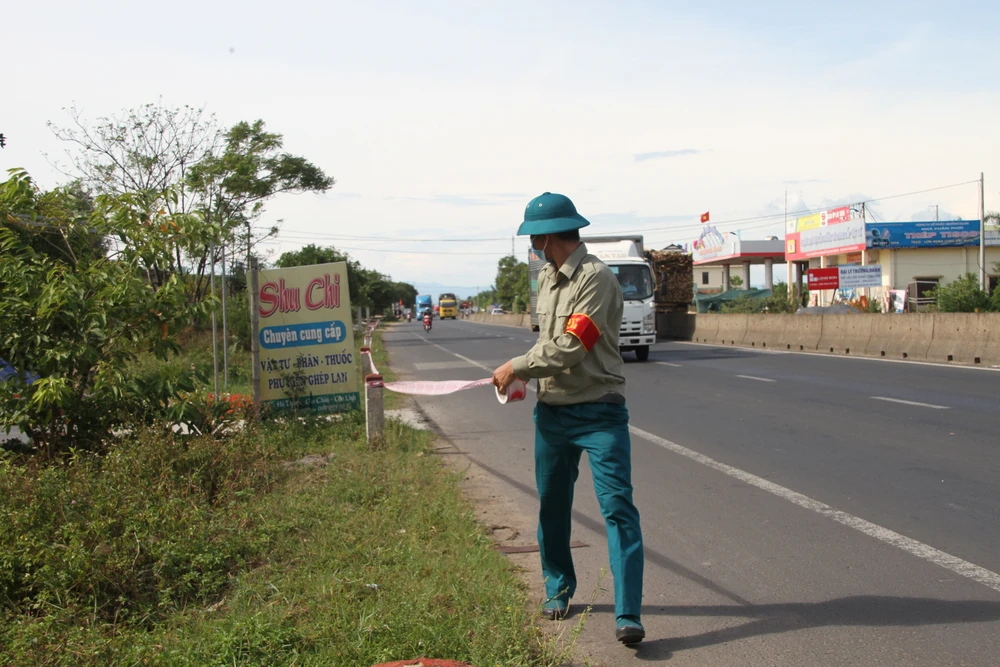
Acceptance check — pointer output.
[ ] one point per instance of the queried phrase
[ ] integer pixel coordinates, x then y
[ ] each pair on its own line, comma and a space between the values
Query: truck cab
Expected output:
624, 256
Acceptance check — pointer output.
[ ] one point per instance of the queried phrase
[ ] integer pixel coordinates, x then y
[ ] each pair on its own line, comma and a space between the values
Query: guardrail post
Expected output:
366, 361
374, 410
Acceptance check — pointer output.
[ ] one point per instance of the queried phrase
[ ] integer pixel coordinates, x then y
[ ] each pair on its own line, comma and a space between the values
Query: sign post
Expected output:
254, 342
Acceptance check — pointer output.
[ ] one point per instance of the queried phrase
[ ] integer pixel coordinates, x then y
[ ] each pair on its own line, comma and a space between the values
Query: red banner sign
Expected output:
820, 279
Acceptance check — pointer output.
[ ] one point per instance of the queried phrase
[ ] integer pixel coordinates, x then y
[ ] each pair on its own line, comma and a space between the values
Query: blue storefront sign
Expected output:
931, 234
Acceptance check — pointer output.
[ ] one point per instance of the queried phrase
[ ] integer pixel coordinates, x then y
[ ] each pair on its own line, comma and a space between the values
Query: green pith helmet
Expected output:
550, 213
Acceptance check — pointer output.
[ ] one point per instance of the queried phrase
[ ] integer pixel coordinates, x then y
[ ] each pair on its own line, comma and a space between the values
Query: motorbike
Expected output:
427, 324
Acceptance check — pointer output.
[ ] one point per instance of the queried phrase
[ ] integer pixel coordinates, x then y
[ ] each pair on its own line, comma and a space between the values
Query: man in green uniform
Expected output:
581, 407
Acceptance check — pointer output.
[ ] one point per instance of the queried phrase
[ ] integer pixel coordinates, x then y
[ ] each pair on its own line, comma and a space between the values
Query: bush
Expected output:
962, 296
775, 304
158, 523
76, 318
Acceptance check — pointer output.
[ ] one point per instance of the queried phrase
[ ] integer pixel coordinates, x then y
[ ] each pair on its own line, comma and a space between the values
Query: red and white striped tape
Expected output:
515, 392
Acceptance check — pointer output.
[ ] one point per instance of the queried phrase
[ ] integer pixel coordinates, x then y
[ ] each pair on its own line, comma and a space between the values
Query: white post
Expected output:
768, 273
374, 410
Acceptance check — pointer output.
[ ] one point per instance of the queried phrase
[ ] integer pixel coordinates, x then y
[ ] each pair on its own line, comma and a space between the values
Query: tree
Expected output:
512, 282
75, 316
225, 176
961, 296
251, 169
735, 282
143, 152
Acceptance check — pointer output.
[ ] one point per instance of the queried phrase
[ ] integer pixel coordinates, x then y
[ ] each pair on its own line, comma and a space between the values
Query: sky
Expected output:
442, 119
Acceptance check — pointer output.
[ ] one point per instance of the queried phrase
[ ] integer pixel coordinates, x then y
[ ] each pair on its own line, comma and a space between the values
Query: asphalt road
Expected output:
796, 509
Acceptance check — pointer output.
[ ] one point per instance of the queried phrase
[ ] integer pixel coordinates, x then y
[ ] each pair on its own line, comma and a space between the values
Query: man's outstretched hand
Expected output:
503, 376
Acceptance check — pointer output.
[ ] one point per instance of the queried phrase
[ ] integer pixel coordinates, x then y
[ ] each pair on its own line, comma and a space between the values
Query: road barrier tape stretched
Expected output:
515, 392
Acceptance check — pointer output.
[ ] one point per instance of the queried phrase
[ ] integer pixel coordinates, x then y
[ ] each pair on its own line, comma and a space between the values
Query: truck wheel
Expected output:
534, 328
642, 353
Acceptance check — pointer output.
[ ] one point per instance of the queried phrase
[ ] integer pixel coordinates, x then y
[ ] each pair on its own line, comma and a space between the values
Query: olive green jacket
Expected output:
579, 303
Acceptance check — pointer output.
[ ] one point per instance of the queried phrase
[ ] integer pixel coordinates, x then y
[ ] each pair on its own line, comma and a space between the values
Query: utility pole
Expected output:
983, 284
936, 207
225, 330
793, 296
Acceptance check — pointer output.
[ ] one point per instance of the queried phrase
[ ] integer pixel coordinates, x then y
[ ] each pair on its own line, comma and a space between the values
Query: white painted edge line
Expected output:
666, 363
916, 403
841, 356
913, 547
754, 377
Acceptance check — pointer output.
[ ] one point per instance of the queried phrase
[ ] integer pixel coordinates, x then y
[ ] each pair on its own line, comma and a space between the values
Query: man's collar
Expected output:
573, 261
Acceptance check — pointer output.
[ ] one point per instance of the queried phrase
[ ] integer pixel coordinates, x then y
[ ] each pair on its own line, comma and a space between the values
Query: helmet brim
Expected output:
552, 225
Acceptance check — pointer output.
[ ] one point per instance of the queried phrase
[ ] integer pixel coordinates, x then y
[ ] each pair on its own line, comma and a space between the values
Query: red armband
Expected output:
583, 328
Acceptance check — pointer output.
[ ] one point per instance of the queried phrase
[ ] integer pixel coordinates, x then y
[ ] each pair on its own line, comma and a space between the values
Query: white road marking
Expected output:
455, 354
665, 363
919, 405
754, 377
994, 369
913, 547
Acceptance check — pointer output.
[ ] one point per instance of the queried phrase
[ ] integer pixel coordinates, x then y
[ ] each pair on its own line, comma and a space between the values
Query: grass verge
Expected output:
291, 543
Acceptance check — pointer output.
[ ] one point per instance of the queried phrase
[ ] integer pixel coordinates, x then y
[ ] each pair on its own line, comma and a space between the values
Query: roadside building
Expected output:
913, 257
714, 253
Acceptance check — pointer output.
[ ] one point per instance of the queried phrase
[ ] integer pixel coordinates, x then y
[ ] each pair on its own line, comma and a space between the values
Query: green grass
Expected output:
202, 551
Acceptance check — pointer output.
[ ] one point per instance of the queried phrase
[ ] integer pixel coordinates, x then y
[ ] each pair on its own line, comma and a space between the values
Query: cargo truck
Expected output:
422, 305
625, 257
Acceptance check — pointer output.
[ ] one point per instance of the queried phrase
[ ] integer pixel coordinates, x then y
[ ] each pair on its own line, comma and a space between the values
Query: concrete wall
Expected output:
965, 338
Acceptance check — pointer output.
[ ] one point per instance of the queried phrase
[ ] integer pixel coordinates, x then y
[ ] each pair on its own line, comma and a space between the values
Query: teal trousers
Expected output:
562, 434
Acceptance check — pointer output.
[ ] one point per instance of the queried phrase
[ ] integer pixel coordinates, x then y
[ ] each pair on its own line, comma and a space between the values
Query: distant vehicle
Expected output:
447, 306
423, 304
624, 256
498, 311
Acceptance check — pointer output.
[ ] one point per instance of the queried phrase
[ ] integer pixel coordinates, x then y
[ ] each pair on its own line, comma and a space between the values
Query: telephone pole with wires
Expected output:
983, 283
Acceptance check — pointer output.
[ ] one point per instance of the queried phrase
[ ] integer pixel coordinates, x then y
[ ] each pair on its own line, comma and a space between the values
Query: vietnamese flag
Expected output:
704, 216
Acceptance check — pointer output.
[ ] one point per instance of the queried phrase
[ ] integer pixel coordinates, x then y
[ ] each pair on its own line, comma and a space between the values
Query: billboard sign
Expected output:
306, 339
714, 245
821, 279
833, 239
930, 234
845, 277
853, 277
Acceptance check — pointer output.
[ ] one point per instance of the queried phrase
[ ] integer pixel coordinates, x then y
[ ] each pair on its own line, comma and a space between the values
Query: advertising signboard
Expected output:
833, 239
845, 277
714, 245
821, 279
854, 277
306, 339
930, 234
